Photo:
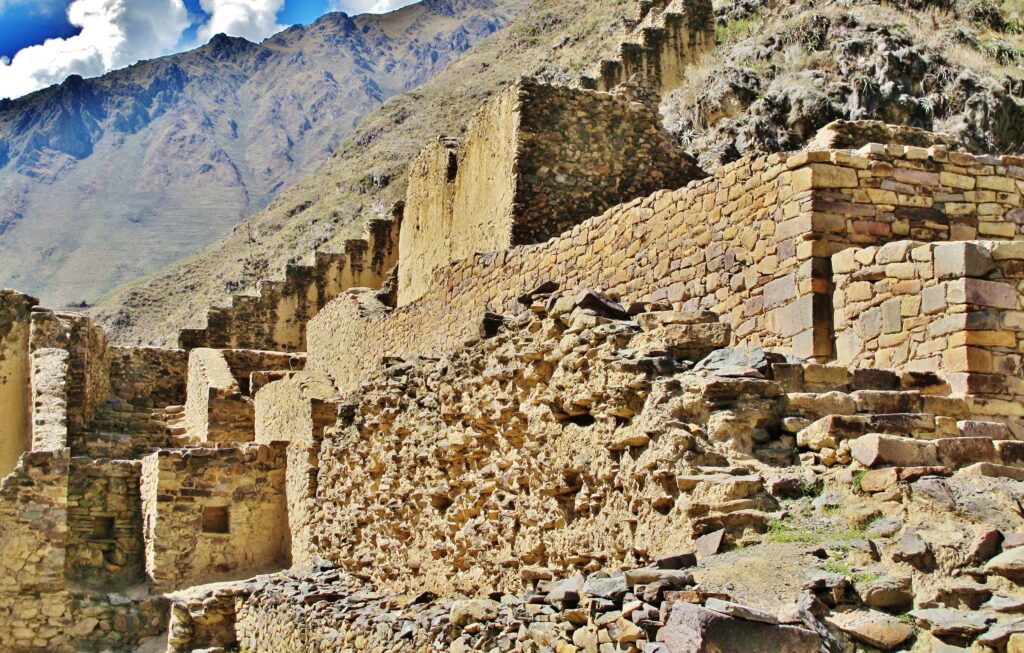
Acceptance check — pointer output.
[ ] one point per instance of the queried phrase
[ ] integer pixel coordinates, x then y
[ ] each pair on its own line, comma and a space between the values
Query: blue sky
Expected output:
44, 41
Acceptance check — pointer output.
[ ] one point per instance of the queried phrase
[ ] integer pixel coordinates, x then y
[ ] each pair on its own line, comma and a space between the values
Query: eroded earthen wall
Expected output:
214, 514
753, 244
15, 393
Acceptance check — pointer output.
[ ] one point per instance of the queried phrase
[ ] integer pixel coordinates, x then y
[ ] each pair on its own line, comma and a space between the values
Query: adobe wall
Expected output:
189, 539
668, 38
753, 244
953, 308
535, 161
275, 317
15, 401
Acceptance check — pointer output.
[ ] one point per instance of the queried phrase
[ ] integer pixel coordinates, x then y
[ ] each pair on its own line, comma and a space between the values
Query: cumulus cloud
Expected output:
114, 33
118, 33
251, 19
369, 6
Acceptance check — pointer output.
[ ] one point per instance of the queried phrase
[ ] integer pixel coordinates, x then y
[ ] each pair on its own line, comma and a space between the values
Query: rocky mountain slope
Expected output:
105, 180
785, 69
782, 70
554, 39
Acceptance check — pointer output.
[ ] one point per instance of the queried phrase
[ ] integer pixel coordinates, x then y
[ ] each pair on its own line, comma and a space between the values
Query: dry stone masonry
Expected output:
576, 397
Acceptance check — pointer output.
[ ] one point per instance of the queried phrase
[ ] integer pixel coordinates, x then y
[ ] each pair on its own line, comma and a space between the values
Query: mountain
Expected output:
556, 40
780, 70
105, 180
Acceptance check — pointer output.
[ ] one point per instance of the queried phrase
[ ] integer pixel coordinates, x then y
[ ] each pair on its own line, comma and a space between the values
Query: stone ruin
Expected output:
775, 408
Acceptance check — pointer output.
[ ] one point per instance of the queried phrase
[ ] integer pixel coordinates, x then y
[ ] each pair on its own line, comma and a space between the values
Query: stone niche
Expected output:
15, 394
212, 514
535, 161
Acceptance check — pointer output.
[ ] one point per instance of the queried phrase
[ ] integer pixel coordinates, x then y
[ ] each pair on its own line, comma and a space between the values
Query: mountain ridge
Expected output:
105, 180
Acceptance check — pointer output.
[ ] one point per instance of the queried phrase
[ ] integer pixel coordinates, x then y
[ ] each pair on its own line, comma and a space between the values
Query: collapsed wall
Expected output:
535, 161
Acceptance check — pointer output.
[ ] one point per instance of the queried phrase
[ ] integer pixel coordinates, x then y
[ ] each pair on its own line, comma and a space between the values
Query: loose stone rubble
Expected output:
774, 410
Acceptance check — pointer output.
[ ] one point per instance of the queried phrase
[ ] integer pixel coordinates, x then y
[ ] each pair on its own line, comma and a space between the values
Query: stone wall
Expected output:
668, 38
50, 379
295, 409
148, 377
753, 244
275, 317
535, 161
88, 362
15, 393
34, 612
219, 406
953, 308
213, 514
104, 523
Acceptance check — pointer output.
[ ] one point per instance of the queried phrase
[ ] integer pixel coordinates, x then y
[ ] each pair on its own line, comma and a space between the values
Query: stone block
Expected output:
957, 452
980, 292
877, 450
963, 259
695, 629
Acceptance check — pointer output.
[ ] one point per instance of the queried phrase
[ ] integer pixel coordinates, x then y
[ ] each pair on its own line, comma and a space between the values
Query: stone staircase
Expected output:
121, 431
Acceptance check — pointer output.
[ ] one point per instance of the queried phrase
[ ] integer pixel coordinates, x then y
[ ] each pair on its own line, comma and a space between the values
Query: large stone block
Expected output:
877, 450
963, 259
694, 629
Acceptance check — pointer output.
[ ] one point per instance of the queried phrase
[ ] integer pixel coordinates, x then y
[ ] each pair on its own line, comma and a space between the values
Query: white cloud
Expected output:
251, 19
115, 33
118, 33
368, 6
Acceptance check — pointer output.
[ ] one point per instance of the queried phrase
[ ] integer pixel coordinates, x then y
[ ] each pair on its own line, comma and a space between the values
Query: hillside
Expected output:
552, 39
105, 180
781, 71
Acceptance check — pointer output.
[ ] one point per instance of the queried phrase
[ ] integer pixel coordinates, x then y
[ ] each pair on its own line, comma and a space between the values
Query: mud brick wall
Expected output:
275, 317
104, 523
953, 308
34, 613
213, 514
536, 160
668, 39
753, 244
15, 391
